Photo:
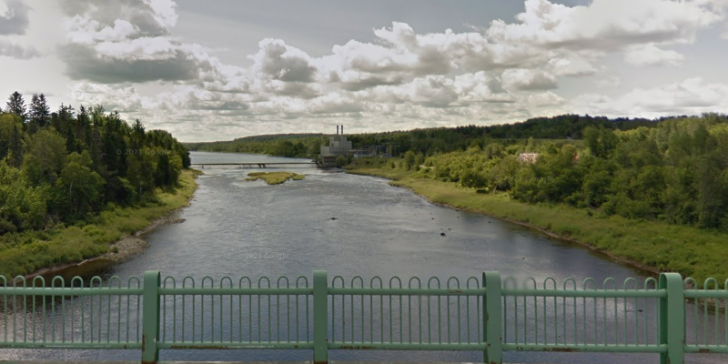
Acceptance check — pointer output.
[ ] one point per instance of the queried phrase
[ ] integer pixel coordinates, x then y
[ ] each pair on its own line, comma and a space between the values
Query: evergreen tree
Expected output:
39, 111
16, 105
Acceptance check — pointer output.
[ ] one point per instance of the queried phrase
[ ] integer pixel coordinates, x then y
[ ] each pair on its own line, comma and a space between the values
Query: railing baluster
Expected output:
492, 318
150, 327
672, 318
320, 316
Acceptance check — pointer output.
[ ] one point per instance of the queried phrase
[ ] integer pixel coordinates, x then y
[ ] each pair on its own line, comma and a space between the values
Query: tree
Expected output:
409, 159
138, 128
600, 141
79, 189
21, 206
39, 111
16, 104
45, 156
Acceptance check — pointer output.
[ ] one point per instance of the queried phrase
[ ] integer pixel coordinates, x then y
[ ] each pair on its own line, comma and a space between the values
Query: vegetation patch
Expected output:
274, 178
27, 251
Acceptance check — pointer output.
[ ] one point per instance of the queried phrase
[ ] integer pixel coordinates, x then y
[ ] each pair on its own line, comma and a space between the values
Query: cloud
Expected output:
129, 41
610, 81
151, 17
15, 18
691, 96
122, 99
649, 55
13, 50
84, 64
277, 61
605, 25
525, 79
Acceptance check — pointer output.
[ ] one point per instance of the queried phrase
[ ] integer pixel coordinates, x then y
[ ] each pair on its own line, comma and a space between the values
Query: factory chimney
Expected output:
342, 130
337, 130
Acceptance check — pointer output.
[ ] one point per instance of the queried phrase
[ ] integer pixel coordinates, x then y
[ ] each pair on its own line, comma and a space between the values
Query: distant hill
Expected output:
429, 140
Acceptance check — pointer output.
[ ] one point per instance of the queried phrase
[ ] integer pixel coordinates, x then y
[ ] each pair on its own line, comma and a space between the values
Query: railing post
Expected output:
150, 317
672, 319
492, 318
320, 317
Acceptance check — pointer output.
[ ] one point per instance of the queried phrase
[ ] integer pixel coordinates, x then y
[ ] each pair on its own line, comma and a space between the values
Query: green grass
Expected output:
26, 252
654, 246
274, 178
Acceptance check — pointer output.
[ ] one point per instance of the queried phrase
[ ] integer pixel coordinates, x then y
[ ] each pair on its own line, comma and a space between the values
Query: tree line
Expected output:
64, 166
428, 141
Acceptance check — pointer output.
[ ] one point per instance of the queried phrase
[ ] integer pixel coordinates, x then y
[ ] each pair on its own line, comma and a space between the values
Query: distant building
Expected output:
528, 157
338, 145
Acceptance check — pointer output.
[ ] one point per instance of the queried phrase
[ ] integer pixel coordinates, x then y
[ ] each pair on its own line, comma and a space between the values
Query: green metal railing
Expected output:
665, 316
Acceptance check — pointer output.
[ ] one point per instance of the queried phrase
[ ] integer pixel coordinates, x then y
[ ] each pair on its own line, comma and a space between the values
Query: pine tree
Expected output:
16, 104
39, 111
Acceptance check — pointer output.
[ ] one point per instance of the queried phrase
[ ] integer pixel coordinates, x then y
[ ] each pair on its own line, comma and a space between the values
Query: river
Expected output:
348, 225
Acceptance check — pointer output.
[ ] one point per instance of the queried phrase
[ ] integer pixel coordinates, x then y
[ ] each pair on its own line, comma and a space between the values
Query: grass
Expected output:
274, 178
654, 246
26, 252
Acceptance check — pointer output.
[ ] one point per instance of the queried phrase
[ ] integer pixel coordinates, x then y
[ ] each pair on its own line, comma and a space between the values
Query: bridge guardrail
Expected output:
487, 314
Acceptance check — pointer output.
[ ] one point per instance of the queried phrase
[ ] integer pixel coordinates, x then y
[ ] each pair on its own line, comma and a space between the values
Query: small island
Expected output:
274, 178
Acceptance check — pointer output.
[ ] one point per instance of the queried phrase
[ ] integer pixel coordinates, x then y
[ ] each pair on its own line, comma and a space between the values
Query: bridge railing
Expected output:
486, 314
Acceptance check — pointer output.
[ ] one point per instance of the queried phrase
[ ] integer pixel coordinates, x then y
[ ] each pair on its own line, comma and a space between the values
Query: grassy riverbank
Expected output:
27, 252
274, 178
652, 246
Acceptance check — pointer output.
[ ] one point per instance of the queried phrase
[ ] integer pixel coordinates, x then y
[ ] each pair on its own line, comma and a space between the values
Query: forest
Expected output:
65, 166
673, 172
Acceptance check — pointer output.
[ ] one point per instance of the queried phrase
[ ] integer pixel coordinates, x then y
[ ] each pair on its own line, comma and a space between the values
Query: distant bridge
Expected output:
254, 164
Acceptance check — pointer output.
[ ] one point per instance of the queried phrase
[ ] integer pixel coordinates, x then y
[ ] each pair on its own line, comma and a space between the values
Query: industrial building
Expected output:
338, 145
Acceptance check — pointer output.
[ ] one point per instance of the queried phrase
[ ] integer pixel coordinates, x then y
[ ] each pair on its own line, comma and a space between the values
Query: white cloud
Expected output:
649, 55
525, 79
277, 61
605, 25
129, 41
691, 96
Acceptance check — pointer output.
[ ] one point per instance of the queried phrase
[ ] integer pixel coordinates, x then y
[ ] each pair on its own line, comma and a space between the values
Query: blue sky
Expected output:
216, 70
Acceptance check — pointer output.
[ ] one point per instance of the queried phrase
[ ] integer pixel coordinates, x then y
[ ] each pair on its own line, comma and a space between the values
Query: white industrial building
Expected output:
338, 145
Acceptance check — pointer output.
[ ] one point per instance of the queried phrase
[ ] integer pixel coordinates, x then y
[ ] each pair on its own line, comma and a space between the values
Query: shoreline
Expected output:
632, 264
627, 262
123, 248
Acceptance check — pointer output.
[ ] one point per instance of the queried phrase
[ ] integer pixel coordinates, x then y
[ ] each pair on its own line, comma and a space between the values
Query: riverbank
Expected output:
111, 237
649, 246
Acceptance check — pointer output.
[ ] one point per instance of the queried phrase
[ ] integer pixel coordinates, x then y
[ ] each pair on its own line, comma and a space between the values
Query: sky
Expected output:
223, 69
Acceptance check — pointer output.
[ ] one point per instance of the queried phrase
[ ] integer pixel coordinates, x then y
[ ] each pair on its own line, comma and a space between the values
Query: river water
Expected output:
348, 225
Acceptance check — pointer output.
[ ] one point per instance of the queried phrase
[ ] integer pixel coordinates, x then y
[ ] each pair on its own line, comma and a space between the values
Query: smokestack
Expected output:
337, 130
342, 130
